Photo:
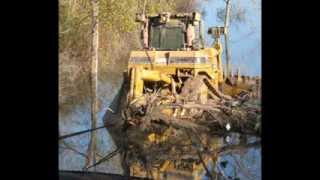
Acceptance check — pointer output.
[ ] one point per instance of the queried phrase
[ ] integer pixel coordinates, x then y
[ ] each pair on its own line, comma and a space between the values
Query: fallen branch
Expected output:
215, 90
206, 107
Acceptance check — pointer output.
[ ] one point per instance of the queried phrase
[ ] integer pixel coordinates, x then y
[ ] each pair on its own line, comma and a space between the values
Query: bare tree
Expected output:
226, 38
237, 13
232, 15
94, 81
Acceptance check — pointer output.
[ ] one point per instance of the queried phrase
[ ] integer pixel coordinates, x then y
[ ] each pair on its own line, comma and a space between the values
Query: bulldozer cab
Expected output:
164, 31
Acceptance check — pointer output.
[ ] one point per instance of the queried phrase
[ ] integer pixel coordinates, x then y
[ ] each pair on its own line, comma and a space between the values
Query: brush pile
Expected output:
161, 125
192, 110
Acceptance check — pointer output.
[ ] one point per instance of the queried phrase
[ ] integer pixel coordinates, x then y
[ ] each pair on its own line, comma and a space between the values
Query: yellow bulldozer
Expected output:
173, 84
173, 53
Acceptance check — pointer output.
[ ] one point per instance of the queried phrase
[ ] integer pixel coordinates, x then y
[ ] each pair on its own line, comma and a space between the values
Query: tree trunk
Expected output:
226, 39
94, 81
144, 7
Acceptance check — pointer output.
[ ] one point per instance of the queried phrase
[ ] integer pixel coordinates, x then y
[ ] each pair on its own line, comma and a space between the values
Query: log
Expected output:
205, 107
215, 91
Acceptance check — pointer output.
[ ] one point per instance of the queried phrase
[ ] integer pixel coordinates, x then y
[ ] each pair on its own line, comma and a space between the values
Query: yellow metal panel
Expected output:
153, 75
148, 70
138, 83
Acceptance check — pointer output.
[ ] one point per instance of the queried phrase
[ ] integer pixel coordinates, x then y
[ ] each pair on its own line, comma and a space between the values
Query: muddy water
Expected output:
244, 164
239, 163
77, 118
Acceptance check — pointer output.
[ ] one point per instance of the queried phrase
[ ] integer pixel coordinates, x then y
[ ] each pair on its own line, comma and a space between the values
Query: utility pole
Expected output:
226, 39
94, 82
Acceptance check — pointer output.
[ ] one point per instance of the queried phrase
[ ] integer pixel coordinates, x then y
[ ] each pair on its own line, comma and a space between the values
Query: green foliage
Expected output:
74, 25
160, 6
118, 14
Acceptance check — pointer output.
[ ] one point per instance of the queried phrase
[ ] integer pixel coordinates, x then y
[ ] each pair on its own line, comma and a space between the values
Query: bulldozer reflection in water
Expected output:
173, 86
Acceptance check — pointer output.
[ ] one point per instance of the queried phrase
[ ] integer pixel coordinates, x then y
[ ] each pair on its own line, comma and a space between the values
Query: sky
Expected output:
245, 38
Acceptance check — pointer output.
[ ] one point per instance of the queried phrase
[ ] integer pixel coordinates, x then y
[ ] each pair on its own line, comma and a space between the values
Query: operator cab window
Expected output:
167, 37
